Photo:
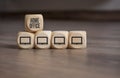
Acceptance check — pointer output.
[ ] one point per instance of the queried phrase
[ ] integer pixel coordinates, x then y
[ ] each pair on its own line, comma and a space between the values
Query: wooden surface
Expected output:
100, 60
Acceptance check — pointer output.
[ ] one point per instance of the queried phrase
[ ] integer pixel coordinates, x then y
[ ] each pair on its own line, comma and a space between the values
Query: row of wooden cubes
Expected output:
56, 39
35, 37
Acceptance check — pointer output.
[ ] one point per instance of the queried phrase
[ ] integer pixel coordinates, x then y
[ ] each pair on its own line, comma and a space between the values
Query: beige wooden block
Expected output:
77, 39
33, 22
60, 39
25, 40
43, 39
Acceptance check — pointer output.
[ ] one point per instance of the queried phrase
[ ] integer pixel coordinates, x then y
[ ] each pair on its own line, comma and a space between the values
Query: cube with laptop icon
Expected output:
43, 39
25, 40
77, 39
60, 39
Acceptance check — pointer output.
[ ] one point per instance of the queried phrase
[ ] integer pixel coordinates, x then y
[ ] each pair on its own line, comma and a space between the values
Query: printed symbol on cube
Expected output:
34, 23
25, 40
76, 40
42, 40
59, 40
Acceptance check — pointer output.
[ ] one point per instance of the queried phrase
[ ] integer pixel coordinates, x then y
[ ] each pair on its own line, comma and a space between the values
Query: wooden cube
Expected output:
60, 39
43, 39
77, 39
25, 40
33, 22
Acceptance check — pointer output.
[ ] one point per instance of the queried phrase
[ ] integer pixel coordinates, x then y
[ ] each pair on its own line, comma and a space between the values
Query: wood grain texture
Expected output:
100, 60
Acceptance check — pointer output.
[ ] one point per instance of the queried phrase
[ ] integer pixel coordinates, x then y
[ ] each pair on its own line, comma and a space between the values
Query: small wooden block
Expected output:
25, 40
33, 22
77, 39
60, 39
43, 39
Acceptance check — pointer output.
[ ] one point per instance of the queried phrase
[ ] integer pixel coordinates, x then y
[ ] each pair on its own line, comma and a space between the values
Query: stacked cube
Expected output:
35, 37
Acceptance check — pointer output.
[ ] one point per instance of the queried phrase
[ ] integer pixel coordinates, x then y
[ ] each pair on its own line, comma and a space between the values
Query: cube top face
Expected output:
25, 40
33, 22
77, 39
43, 39
60, 39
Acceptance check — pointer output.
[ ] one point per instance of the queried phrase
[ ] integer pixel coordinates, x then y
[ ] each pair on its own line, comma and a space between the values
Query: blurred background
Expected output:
99, 18
63, 9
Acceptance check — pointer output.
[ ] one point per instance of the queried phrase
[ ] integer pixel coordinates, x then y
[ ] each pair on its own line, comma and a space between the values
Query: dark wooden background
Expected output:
101, 59
101, 20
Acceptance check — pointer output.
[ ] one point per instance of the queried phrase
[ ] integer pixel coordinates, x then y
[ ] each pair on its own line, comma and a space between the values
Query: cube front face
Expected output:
34, 22
60, 39
43, 39
25, 40
77, 39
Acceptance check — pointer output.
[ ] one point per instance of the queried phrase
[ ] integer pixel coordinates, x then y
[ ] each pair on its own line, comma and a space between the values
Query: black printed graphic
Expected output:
76, 37
25, 42
34, 23
58, 42
42, 42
